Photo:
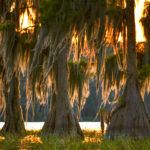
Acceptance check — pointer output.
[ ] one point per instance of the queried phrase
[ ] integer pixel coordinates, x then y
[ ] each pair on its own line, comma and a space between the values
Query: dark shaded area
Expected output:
92, 105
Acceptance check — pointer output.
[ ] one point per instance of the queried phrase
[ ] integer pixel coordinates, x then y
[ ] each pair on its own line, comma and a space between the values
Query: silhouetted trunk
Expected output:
130, 119
101, 33
147, 53
14, 122
61, 119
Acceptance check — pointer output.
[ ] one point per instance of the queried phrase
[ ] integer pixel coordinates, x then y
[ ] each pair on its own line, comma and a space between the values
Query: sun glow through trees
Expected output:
27, 20
139, 7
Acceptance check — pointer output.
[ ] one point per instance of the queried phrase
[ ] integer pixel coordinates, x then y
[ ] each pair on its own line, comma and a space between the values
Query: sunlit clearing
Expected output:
30, 139
138, 15
91, 140
92, 137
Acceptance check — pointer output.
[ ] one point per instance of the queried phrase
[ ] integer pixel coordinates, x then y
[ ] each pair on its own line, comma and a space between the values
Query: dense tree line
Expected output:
68, 43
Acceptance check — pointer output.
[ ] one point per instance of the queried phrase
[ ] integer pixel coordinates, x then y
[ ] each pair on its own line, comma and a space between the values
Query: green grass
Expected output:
93, 141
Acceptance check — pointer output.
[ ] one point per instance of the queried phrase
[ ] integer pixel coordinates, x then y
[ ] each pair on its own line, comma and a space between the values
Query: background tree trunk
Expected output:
14, 122
61, 119
147, 53
130, 119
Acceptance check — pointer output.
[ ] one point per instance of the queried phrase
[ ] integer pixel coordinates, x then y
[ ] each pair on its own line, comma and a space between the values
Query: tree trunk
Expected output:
130, 119
61, 119
147, 53
14, 122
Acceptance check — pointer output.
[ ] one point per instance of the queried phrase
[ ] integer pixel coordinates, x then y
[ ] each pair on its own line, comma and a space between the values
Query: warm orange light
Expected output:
26, 22
85, 50
139, 7
138, 15
120, 38
28, 140
74, 44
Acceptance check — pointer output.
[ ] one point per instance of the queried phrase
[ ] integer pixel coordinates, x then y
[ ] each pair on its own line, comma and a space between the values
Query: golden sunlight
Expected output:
26, 142
92, 136
138, 15
139, 7
27, 20
32, 139
84, 49
2, 138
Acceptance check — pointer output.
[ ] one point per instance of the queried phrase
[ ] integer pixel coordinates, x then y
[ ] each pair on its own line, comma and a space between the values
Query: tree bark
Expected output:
61, 120
14, 122
147, 53
130, 119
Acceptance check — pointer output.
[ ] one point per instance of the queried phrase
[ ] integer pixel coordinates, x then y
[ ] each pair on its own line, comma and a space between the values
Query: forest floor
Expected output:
93, 141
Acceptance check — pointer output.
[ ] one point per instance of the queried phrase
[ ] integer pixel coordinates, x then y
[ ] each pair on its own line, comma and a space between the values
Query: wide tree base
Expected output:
63, 125
13, 127
14, 122
61, 120
130, 120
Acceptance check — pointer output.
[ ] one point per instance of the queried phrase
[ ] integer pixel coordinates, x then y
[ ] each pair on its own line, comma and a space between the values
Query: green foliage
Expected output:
115, 12
77, 75
111, 67
125, 144
116, 20
144, 72
27, 41
112, 72
57, 13
6, 26
71, 13
93, 141
32, 140
122, 101
111, 59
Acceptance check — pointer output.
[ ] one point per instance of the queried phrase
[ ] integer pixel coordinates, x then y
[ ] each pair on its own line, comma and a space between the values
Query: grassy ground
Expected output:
93, 141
